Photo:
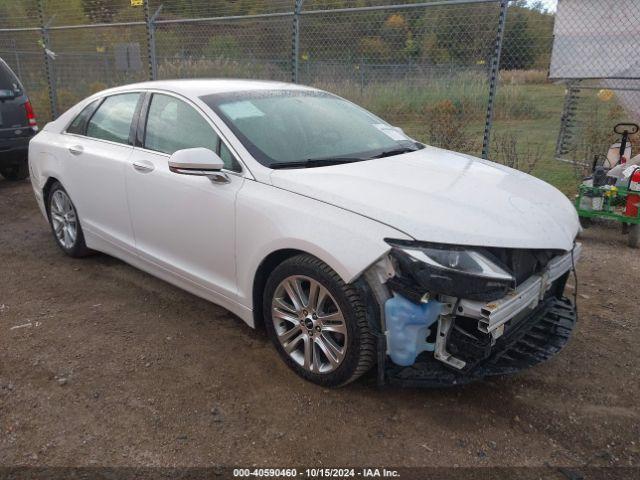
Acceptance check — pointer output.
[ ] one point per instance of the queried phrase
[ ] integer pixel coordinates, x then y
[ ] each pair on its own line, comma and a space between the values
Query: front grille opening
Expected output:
524, 263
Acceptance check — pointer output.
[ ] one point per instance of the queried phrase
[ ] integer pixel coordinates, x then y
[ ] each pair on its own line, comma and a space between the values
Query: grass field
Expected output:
528, 113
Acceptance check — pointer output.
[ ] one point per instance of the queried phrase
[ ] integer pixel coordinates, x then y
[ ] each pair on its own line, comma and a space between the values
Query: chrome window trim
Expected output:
108, 142
244, 170
89, 102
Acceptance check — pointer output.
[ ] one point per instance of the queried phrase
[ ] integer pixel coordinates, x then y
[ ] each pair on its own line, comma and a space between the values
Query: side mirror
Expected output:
195, 161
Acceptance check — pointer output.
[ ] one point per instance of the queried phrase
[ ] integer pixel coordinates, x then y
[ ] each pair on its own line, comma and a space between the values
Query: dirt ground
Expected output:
101, 364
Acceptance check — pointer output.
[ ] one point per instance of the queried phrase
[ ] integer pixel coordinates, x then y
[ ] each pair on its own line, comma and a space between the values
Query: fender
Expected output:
349, 243
43, 165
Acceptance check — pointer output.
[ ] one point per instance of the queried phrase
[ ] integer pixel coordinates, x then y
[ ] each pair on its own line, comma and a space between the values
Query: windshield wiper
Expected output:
316, 162
398, 151
323, 162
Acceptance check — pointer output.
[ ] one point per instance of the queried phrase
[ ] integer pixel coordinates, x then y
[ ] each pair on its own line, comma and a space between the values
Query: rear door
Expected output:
98, 145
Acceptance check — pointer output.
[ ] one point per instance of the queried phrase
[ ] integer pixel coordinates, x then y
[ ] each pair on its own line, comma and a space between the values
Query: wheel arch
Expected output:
267, 265
277, 256
46, 188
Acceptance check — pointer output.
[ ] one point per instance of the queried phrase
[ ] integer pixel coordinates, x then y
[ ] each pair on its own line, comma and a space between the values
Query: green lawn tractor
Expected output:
613, 189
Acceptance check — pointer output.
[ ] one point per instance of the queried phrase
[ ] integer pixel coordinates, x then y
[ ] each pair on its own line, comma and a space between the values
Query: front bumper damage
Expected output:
476, 339
533, 340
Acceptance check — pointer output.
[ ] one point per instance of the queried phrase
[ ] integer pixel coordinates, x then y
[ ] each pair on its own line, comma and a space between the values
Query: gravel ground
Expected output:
101, 364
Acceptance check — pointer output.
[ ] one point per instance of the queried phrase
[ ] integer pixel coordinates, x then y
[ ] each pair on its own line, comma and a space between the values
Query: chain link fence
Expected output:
595, 53
469, 75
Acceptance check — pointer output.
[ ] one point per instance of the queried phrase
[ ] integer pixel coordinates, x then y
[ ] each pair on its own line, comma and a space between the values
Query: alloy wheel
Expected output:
309, 324
63, 219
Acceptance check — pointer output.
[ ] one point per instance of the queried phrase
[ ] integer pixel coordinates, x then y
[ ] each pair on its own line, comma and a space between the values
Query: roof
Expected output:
200, 87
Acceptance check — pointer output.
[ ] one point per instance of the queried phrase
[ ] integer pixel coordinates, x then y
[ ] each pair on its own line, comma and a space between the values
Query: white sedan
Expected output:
352, 243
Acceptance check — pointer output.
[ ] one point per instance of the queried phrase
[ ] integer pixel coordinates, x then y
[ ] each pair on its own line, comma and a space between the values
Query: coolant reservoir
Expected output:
408, 328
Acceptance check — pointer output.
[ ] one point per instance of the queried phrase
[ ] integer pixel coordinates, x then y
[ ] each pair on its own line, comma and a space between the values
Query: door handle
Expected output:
76, 149
143, 167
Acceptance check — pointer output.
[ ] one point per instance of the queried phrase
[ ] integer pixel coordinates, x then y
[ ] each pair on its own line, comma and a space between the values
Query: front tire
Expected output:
317, 322
64, 222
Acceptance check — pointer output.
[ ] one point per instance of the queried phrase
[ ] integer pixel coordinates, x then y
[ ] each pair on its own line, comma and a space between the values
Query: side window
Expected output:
113, 119
80, 122
173, 125
8, 79
230, 162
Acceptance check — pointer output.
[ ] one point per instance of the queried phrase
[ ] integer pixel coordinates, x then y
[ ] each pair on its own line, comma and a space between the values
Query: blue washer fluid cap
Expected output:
408, 327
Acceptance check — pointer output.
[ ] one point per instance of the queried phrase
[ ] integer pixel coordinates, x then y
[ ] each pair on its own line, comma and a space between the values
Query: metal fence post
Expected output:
567, 119
295, 49
48, 61
150, 22
493, 77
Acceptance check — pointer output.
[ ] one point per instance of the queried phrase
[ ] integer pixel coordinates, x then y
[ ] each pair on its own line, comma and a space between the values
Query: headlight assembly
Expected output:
461, 272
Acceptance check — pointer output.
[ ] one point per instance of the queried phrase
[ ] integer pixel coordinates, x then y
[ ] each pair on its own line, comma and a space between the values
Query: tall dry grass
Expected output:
467, 92
220, 67
524, 77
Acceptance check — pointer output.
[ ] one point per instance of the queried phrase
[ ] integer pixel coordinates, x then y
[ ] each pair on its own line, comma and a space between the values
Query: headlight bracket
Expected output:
417, 278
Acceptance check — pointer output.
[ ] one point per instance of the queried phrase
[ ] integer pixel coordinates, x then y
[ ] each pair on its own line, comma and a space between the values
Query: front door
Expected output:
183, 223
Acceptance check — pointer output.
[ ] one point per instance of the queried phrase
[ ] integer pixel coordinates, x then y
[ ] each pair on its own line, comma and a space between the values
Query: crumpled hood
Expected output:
440, 196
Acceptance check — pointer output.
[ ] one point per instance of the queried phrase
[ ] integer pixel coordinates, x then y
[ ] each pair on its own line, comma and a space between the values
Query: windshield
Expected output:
295, 128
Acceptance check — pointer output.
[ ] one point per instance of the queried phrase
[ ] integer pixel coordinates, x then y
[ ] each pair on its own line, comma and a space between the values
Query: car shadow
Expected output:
11, 185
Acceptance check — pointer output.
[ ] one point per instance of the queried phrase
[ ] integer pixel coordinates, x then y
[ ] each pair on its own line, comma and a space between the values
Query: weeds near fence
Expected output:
509, 150
524, 77
218, 67
446, 128
415, 98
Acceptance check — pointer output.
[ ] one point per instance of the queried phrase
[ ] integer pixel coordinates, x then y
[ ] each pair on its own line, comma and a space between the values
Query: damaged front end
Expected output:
453, 314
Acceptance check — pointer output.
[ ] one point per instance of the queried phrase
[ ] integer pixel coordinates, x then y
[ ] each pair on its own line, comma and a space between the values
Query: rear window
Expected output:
79, 124
112, 121
8, 81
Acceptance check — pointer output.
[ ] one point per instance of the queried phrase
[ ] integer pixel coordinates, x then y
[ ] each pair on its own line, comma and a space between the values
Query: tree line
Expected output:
439, 35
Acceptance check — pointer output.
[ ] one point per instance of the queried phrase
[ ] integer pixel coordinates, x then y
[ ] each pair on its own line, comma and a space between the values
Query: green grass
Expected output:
468, 91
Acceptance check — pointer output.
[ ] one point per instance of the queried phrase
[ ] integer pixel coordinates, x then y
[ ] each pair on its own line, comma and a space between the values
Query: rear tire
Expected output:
16, 172
634, 236
317, 322
65, 223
